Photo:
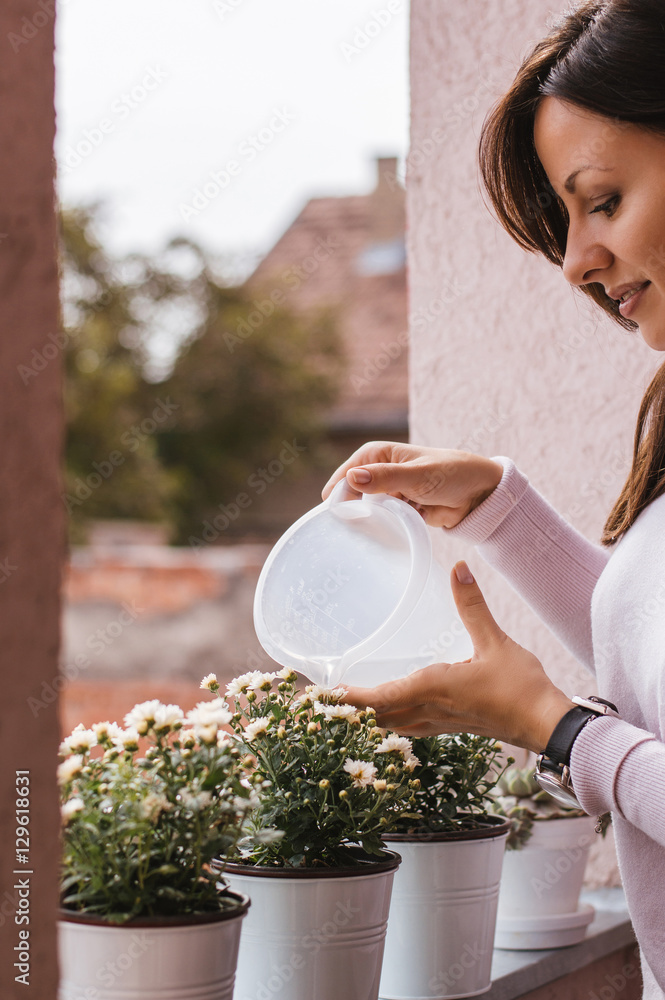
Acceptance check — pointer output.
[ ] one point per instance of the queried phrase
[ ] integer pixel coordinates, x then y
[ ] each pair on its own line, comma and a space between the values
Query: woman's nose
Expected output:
584, 259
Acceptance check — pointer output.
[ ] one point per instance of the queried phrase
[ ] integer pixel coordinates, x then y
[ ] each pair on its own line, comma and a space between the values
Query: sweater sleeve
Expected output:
616, 767
547, 561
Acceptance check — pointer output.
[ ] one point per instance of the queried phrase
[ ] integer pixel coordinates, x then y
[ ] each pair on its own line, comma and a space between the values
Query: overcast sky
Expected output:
281, 100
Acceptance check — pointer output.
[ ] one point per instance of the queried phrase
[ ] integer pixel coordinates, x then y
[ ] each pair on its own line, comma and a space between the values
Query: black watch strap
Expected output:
566, 732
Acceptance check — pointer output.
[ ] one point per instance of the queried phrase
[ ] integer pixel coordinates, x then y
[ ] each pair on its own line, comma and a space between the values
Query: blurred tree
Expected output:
240, 384
111, 471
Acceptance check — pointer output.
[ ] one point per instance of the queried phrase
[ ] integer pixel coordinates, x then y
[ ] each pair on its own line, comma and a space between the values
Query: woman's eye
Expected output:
608, 207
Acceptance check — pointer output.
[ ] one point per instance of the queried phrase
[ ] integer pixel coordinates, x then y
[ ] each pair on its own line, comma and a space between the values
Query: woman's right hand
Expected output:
443, 484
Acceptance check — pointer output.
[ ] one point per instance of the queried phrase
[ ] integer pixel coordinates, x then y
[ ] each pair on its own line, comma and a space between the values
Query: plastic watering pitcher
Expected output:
352, 592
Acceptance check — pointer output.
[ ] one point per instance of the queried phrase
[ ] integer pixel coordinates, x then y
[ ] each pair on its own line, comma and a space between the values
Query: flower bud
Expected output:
251, 696
391, 769
330, 743
281, 733
312, 727
324, 783
344, 794
414, 783
380, 785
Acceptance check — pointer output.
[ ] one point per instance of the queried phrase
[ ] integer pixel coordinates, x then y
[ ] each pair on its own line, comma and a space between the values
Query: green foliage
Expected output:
172, 442
519, 797
329, 783
455, 776
140, 832
105, 392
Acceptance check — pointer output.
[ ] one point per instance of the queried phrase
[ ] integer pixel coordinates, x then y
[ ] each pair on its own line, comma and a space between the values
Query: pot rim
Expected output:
242, 902
493, 826
369, 865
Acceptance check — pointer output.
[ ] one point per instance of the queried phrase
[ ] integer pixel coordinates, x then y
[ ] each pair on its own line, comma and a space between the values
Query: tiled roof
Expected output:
348, 253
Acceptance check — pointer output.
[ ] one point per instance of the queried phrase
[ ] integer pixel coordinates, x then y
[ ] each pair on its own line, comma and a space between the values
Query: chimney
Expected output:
387, 202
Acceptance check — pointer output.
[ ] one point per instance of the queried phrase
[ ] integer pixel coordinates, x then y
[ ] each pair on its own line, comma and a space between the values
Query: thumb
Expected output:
404, 478
476, 616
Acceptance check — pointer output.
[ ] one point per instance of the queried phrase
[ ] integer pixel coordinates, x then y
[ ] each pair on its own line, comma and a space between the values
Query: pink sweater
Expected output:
607, 606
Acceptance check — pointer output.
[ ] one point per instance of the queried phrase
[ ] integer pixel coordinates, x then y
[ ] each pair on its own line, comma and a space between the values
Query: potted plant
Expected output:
441, 927
318, 874
142, 911
548, 848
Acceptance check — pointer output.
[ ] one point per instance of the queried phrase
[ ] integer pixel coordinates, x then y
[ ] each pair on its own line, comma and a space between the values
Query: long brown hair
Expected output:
607, 56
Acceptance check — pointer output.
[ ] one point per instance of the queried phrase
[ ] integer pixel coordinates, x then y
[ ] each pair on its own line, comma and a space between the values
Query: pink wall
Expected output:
505, 358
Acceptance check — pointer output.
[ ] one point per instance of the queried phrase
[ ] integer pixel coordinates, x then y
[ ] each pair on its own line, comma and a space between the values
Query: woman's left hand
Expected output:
502, 691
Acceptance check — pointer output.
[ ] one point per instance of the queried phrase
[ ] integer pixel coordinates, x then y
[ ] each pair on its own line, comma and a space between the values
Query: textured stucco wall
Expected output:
31, 525
505, 358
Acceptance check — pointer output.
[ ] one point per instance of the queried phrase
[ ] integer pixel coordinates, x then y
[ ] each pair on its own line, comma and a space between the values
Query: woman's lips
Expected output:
628, 307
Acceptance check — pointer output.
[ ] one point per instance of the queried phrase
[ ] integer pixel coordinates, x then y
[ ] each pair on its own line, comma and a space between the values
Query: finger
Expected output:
476, 616
372, 452
383, 698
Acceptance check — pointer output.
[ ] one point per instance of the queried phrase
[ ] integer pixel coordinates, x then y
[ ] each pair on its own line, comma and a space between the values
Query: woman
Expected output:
573, 159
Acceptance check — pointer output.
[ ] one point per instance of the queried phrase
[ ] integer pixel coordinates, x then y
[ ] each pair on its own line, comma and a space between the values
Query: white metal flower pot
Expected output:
541, 885
313, 934
167, 958
441, 928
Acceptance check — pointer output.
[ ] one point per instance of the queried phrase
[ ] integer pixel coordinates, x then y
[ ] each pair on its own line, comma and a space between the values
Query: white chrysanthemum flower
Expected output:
142, 716
242, 805
196, 801
128, 739
153, 805
69, 769
257, 727
267, 836
394, 742
209, 713
209, 683
168, 717
224, 739
287, 674
347, 713
327, 695
71, 807
81, 740
362, 772
241, 684
262, 681
411, 762
106, 732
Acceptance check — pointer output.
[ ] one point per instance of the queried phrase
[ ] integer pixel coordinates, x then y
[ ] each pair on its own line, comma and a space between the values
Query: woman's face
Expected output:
610, 175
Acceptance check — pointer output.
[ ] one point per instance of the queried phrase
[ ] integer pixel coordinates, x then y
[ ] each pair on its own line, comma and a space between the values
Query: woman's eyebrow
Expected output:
570, 181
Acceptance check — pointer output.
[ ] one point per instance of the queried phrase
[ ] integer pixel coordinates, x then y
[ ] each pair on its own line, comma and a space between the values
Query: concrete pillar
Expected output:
505, 358
32, 524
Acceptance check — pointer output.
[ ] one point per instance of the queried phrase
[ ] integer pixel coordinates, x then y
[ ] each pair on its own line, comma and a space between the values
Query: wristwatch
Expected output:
553, 764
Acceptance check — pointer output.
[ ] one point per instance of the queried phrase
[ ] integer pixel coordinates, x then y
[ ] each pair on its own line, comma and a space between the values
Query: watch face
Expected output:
555, 787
